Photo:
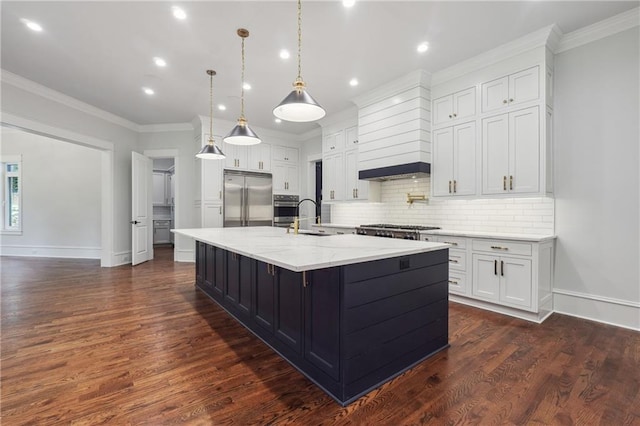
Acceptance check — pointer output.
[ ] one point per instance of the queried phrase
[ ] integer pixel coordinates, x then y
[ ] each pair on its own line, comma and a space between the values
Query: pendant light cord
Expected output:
211, 110
299, 40
242, 92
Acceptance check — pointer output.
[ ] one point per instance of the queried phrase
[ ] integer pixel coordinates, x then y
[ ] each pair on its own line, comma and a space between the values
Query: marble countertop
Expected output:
304, 252
472, 234
494, 235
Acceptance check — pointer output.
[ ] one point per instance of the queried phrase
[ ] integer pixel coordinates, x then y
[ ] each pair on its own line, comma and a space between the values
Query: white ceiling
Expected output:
101, 52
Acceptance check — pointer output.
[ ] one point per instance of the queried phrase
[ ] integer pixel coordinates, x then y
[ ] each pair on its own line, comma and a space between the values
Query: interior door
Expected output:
141, 208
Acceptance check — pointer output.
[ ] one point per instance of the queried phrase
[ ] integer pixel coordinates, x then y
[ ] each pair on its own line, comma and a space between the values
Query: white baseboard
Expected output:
505, 310
121, 258
52, 251
185, 256
621, 313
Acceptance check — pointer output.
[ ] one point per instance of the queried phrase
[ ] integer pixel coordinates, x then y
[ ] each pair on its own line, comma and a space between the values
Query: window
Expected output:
11, 194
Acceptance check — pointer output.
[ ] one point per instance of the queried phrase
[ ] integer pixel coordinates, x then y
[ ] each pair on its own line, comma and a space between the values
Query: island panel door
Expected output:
264, 300
237, 296
288, 320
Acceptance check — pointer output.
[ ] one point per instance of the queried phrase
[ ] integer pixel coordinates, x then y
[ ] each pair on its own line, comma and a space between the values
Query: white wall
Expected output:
25, 99
596, 179
60, 197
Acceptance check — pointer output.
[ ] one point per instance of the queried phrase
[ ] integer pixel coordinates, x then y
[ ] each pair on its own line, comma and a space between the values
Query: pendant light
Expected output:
299, 106
242, 133
210, 151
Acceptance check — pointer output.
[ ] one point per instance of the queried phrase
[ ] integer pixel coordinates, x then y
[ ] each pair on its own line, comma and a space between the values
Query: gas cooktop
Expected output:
401, 227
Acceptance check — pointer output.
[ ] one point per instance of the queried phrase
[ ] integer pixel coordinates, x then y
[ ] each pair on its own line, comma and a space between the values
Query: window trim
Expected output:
5, 214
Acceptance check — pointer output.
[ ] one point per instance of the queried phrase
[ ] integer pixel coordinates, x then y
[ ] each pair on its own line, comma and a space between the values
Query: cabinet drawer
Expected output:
456, 242
457, 282
457, 260
502, 247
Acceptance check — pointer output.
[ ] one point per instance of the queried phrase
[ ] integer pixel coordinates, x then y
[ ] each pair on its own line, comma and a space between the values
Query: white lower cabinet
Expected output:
506, 280
514, 277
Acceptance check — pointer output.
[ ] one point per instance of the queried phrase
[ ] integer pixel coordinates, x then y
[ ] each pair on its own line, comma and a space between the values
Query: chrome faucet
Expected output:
296, 220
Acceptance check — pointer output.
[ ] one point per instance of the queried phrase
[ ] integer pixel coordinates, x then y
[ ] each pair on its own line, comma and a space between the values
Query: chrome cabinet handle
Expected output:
495, 267
304, 279
449, 187
453, 282
357, 193
511, 183
455, 183
502, 268
504, 183
500, 248
449, 242
453, 261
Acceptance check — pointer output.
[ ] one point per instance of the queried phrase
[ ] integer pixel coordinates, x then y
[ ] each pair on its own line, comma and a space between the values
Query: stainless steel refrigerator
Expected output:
248, 199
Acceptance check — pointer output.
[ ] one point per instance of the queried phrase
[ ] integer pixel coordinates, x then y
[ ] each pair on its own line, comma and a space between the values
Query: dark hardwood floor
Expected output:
139, 345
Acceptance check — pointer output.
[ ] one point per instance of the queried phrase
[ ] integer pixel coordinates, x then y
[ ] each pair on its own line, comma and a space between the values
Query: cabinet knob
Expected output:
504, 101
450, 116
455, 115
511, 100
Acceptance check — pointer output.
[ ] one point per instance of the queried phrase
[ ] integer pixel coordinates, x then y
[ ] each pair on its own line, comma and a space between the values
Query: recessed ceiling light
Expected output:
178, 13
284, 54
353, 82
222, 107
34, 26
246, 86
148, 90
160, 62
348, 3
277, 120
422, 47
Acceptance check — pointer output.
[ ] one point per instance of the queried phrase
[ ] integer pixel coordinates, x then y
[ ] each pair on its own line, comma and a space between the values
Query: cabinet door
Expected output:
264, 300
516, 287
288, 319
524, 151
464, 103
351, 174
209, 267
236, 156
279, 178
443, 109
333, 181
486, 278
333, 142
495, 94
219, 262
351, 137
237, 295
201, 261
292, 179
322, 320
495, 154
524, 86
442, 173
464, 159
211, 181
159, 189
260, 157
285, 153
212, 216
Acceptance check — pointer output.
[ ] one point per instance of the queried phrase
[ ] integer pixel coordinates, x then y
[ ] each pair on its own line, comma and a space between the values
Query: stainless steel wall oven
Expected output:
284, 209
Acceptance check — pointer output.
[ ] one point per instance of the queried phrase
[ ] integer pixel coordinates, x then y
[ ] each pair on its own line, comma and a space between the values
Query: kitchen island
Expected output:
350, 312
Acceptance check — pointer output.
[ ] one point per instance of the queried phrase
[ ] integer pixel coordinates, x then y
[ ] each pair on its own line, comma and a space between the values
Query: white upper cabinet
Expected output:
260, 157
511, 90
285, 153
511, 152
211, 181
285, 178
459, 105
454, 160
236, 156
333, 177
356, 189
351, 137
333, 142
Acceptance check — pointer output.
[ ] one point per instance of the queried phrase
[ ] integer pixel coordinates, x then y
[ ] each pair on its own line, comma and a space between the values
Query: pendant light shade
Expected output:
299, 106
210, 151
242, 134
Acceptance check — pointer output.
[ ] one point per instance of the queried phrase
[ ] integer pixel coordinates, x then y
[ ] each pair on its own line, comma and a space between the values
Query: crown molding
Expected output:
45, 92
599, 30
314, 133
530, 41
169, 127
413, 79
350, 113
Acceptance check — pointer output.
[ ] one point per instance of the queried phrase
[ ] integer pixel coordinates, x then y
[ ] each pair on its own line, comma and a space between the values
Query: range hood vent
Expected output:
401, 171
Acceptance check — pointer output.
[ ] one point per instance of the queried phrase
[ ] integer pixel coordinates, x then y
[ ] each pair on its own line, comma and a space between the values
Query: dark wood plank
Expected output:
88, 345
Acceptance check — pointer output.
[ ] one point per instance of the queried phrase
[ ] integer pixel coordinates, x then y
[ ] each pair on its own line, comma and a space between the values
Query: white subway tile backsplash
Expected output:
515, 215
